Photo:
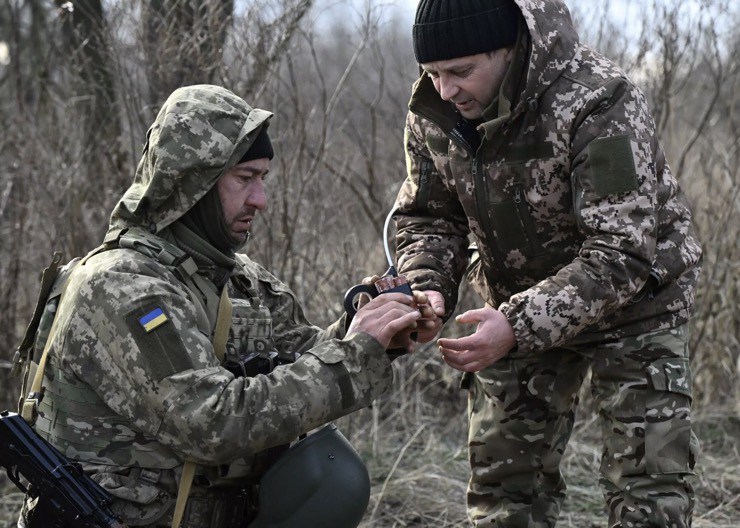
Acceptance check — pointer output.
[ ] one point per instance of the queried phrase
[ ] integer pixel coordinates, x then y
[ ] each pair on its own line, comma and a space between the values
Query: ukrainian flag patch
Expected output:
153, 319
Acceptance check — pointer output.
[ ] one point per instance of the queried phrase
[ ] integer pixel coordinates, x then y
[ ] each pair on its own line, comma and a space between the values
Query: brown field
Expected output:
418, 465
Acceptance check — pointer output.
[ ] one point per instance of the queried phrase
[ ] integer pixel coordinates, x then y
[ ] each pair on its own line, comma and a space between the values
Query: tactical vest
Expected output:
111, 439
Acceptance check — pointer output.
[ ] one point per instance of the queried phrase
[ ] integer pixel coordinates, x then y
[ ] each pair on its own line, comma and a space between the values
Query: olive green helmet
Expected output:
319, 482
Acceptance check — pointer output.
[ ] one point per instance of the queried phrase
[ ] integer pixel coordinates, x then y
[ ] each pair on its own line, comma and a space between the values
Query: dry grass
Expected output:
413, 442
414, 446
10, 504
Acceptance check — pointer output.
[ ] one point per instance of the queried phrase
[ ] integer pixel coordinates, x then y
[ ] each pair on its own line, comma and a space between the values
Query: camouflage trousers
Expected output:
521, 414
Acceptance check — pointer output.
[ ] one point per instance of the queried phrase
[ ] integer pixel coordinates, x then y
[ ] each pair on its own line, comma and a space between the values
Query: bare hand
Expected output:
430, 303
492, 339
384, 317
432, 307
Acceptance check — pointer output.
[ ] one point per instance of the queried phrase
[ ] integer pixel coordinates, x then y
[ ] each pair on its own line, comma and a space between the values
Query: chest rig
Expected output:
250, 349
238, 323
247, 347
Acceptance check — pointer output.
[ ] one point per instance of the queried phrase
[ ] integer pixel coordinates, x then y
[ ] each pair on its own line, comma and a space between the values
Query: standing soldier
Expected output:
544, 154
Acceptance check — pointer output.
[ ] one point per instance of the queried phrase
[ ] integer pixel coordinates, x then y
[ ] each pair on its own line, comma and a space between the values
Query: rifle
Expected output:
67, 497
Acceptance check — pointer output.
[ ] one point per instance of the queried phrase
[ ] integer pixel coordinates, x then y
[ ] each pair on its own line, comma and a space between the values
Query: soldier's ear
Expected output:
510, 53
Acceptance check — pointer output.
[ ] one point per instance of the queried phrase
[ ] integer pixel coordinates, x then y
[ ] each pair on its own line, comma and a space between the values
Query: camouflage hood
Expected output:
201, 131
553, 42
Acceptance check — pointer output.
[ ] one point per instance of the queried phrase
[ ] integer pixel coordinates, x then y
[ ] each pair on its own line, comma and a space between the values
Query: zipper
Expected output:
456, 135
479, 182
453, 134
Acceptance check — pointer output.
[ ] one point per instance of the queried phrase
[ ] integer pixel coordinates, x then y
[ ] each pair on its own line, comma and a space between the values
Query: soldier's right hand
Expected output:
385, 316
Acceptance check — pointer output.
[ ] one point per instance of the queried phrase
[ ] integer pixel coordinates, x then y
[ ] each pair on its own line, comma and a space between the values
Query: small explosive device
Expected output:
391, 281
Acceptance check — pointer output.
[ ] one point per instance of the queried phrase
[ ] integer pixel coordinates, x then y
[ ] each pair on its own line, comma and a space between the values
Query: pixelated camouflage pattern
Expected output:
582, 230
200, 132
522, 411
132, 405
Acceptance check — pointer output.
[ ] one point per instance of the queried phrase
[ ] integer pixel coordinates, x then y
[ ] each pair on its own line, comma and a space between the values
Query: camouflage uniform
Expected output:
586, 245
134, 387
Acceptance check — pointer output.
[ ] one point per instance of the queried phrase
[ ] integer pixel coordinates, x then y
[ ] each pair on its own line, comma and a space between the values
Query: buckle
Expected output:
30, 411
150, 475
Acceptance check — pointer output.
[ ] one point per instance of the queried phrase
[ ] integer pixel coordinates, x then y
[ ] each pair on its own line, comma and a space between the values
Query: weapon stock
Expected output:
67, 497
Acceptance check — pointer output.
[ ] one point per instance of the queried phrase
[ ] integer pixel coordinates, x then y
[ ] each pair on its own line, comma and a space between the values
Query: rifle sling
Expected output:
29, 409
24, 354
47, 281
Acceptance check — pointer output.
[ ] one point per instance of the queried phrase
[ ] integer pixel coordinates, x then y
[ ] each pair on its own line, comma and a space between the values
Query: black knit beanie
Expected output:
261, 147
447, 29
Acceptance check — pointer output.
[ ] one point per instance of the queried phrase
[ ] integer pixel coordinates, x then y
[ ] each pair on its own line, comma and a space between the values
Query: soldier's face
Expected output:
242, 193
470, 83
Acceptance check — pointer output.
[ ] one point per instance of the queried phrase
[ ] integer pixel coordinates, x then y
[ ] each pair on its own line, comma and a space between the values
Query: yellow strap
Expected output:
220, 336
223, 323
29, 411
188, 472
31, 403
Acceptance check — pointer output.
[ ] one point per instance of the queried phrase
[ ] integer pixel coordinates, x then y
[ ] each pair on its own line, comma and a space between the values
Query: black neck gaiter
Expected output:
206, 219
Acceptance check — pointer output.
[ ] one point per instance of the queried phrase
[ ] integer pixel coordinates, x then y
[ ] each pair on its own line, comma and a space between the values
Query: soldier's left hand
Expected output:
492, 339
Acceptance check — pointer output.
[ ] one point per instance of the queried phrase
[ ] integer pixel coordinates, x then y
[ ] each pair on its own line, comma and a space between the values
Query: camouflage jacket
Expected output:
134, 386
582, 230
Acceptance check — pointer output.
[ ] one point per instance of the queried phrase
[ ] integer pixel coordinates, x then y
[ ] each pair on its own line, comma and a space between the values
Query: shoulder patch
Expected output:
153, 319
162, 352
612, 166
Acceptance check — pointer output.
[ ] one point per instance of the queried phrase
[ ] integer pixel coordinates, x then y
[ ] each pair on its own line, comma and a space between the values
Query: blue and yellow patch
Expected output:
153, 319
